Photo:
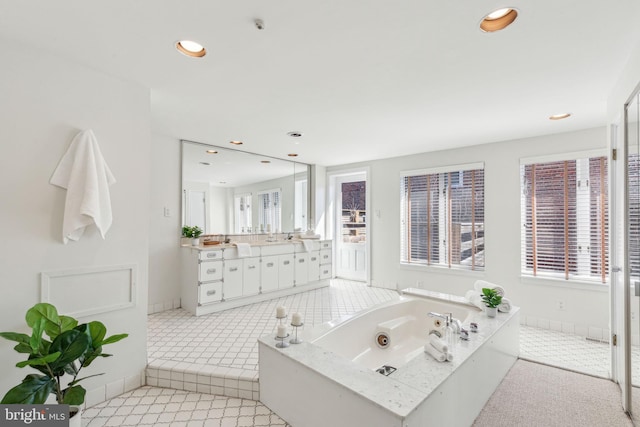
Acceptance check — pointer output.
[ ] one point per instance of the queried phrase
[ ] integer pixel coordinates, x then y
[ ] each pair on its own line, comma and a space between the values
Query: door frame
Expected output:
332, 209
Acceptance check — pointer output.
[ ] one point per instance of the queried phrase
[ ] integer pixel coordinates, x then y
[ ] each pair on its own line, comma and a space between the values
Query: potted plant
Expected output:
491, 300
192, 233
70, 347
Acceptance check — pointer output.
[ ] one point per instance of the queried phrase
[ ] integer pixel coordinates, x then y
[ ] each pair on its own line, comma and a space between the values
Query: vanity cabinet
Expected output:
232, 278
218, 279
313, 267
285, 271
326, 268
251, 276
269, 273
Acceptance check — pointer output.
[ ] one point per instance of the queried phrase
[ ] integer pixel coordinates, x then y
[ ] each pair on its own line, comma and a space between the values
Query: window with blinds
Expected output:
442, 217
634, 215
565, 219
242, 208
269, 211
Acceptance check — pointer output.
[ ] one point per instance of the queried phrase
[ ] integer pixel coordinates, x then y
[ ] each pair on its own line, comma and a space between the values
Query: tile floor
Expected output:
566, 351
224, 344
153, 406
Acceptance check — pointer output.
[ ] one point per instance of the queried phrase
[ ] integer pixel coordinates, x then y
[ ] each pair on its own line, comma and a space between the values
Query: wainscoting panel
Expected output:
88, 291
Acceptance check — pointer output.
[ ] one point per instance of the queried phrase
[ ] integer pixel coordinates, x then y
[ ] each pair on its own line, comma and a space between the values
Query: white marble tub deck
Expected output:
404, 390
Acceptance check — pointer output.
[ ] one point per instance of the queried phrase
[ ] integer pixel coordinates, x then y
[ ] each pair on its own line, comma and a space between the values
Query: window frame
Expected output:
274, 210
567, 280
443, 212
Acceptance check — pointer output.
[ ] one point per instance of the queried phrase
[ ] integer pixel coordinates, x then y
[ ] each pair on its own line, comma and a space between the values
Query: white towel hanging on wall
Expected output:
86, 176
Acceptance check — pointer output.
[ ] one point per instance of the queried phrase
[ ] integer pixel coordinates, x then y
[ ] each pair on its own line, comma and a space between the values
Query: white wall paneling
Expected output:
89, 291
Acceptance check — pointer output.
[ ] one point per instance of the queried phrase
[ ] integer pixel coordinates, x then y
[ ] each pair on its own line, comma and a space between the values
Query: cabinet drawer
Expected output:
314, 257
209, 292
325, 271
208, 255
210, 271
325, 256
276, 249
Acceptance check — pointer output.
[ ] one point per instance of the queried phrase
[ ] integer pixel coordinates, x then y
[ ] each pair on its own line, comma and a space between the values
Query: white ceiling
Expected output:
361, 79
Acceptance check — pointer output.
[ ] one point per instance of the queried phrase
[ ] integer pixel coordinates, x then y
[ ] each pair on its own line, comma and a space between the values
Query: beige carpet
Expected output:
541, 396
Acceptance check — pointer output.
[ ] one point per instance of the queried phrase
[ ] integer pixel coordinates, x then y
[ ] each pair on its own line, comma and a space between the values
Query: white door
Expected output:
196, 209
351, 227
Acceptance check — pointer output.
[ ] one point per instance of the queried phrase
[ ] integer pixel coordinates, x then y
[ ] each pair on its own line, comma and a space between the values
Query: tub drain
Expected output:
383, 340
386, 370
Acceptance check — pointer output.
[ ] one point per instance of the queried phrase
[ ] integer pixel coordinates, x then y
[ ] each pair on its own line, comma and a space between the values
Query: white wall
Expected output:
502, 224
45, 101
164, 233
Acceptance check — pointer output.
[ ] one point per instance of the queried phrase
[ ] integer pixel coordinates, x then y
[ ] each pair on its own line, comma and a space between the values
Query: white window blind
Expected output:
565, 219
634, 215
242, 210
442, 218
269, 211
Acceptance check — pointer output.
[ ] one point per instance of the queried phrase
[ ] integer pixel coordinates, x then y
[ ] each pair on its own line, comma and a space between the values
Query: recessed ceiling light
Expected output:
292, 155
205, 163
294, 134
190, 48
236, 142
265, 161
212, 152
498, 19
559, 116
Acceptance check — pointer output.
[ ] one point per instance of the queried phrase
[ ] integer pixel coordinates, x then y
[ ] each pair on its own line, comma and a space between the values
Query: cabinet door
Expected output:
314, 266
251, 277
232, 278
269, 273
285, 271
301, 269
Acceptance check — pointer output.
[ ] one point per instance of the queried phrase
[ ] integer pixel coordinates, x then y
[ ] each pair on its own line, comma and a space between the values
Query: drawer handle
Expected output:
251, 267
325, 272
313, 258
326, 256
301, 260
211, 271
286, 262
212, 292
269, 264
212, 255
233, 269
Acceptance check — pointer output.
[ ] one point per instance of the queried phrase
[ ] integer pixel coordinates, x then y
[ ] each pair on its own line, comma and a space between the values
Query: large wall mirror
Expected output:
226, 191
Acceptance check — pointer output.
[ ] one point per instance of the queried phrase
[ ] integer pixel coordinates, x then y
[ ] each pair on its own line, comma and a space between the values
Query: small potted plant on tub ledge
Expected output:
192, 233
491, 300
70, 347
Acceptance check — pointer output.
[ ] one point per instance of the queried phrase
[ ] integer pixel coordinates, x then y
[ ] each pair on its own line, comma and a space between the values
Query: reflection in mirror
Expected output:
633, 237
226, 191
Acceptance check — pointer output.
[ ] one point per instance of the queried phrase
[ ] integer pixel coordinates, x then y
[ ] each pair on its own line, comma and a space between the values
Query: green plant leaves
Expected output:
34, 389
72, 347
71, 344
114, 338
74, 395
490, 297
42, 361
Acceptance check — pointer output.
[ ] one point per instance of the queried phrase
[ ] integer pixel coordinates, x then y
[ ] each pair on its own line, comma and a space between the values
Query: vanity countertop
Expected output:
202, 247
